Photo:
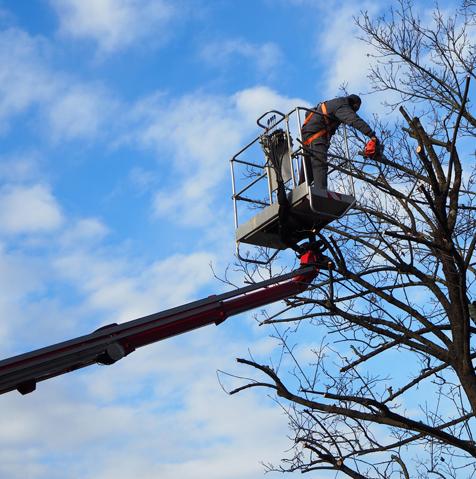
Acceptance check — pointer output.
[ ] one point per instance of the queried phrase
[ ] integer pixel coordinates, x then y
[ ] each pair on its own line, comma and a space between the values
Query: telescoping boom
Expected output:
111, 343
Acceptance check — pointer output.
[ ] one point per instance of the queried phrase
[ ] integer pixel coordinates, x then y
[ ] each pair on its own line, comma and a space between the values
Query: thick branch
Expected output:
383, 416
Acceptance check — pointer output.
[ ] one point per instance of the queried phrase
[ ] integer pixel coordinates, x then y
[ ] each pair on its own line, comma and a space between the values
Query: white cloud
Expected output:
253, 102
84, 232
194, 138
114, 24
19, 167
178, 423
266, 56
345, 55
112, 284
141, 178
24, 81
78, 112
19, 277
158, 413
28, 209
72, 109
202, 429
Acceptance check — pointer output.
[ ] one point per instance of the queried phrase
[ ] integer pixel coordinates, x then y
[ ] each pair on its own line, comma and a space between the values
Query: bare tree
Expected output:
391, 390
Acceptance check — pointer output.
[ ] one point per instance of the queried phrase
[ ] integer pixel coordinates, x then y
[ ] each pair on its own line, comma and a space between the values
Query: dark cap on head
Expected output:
354, 101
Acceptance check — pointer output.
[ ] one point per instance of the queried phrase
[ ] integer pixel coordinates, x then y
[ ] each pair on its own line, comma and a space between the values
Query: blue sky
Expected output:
117, 121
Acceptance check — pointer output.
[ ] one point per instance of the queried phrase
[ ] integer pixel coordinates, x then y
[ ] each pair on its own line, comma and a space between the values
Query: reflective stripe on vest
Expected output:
308, 117
315, 136
320, 133
324, 112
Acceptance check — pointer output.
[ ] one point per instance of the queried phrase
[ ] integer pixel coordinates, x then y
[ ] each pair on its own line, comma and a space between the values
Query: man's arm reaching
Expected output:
346, 115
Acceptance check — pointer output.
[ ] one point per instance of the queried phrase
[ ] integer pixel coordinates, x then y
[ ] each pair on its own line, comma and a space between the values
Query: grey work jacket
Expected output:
338, 111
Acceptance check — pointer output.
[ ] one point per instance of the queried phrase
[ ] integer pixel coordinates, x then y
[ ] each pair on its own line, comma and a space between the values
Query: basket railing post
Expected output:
233, 189
304, 167
347, 153
290, 150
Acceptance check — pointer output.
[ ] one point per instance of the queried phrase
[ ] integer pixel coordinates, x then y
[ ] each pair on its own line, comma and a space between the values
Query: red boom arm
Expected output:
111, 343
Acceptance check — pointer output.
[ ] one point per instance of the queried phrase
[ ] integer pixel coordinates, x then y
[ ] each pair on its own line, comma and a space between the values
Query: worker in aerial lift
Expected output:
320, 125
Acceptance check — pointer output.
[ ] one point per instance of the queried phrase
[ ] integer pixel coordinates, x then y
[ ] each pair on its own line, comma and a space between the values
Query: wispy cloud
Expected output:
347, 58
82, 272
194, 137
179, 423
20, 276
253, 102
161, 395
265, 57
24, 80
345, 55
79, 112
19, 167
65, 108
28, 209
123, 290
84, 232
114, 24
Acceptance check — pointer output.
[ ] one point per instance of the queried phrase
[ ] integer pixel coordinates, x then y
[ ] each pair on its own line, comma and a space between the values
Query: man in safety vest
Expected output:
320, 125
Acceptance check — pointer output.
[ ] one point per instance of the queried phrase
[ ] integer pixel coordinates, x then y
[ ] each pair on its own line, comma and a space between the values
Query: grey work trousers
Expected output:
316, 160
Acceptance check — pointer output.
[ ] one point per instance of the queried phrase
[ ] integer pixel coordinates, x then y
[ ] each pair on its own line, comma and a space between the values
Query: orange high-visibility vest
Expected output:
320, 133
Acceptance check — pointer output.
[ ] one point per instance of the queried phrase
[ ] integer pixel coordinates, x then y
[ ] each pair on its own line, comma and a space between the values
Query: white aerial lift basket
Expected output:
254, 184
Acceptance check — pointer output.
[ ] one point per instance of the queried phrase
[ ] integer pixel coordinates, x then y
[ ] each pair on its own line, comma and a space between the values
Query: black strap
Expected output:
275, 152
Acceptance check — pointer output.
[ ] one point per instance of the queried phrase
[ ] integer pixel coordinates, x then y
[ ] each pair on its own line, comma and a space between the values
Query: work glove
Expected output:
371, 147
